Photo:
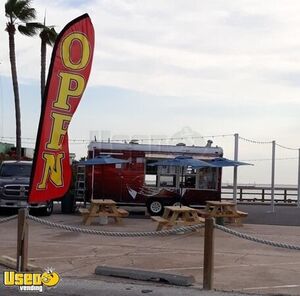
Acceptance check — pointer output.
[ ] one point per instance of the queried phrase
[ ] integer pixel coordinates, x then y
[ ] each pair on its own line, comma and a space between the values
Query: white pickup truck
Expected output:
14, 187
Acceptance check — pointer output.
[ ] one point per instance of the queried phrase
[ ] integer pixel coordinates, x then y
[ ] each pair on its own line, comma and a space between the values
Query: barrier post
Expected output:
236, 155
298, 192
273, 178
22, 240
208, 268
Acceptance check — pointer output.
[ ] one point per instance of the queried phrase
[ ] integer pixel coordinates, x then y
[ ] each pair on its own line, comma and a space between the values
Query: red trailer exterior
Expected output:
138, 183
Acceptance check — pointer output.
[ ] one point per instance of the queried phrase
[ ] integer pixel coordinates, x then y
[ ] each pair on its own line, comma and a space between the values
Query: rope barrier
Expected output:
288, 148
86, 141
8, 219
257, 240
184, 229
254, 141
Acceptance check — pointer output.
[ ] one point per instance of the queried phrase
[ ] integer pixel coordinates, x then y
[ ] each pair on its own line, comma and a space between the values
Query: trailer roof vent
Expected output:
180, 144
209, 143
134, 141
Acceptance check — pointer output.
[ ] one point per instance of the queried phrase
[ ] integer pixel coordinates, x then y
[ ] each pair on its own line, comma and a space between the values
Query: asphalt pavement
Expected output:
97, 287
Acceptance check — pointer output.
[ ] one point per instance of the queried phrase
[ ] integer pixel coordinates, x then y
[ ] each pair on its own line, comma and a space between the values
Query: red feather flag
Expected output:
68, 76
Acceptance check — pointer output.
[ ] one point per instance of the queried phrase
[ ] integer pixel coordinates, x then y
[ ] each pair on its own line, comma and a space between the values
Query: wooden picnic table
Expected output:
222, 209
177, 215
102, 208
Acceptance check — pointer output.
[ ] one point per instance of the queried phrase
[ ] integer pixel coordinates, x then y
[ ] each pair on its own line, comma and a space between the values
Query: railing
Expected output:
260, 193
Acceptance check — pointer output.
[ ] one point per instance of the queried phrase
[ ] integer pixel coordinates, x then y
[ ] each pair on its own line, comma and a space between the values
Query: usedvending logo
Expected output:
31, 281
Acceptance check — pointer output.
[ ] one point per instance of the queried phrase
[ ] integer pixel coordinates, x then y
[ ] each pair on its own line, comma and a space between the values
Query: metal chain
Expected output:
257, 240
8, 219
184, 229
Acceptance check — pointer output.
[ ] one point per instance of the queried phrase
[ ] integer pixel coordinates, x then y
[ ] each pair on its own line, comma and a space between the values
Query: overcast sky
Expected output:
168, 68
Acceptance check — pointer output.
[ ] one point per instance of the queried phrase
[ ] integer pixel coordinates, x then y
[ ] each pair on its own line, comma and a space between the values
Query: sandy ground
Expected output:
240, 265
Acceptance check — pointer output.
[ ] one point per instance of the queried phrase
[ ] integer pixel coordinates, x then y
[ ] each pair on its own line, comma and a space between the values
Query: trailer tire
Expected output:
68, 204
155, 207
177, 203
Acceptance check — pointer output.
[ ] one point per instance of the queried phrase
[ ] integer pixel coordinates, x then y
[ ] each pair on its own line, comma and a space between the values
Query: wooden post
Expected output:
284, 195
22, 240
208, 268
236, 153
273, 178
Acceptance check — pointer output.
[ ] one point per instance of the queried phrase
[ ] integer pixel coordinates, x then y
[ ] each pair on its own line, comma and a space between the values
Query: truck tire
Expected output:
45, 211
155, 207
68, 204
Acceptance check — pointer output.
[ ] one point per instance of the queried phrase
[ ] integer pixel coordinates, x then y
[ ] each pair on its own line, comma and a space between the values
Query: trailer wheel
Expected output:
155, 207
68, 204
178, 203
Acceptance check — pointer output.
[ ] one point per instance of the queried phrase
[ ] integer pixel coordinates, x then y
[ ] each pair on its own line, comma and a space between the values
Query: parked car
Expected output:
14, 187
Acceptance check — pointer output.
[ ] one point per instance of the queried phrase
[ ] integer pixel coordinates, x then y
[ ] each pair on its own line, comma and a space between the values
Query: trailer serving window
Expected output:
151, 180
167, 180
150, 173
188, 180
171, 176
208, 178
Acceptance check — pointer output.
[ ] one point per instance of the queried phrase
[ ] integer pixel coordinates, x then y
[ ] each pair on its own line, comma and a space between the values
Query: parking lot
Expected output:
240, 265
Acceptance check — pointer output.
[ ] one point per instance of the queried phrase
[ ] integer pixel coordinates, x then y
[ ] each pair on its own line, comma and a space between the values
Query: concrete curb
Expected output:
145, 275
12, 263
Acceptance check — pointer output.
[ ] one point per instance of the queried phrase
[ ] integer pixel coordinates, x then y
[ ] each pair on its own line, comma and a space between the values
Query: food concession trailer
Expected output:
137, 183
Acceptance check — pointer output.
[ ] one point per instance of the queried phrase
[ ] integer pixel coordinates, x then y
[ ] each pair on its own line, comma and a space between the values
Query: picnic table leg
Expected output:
159, 226
114, 210
166, 214
85, 216
173, 218
118, 219
188, 218
196, 218
88, 220
93, 210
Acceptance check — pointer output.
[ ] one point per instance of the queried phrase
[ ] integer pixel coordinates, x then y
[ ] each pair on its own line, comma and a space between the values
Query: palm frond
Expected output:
36, 25
9, 8
27, 30
20, 9
27, 14
48, 35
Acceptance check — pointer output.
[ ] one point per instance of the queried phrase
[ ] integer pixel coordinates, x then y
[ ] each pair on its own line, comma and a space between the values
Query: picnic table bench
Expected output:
223, 209
177, 215
102, 208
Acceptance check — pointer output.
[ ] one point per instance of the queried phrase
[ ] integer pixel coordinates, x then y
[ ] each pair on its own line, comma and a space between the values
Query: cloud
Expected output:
196, 49
217, 66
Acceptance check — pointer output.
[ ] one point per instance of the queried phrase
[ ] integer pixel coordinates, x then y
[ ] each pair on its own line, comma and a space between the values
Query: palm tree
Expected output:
48, 36
19, 13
